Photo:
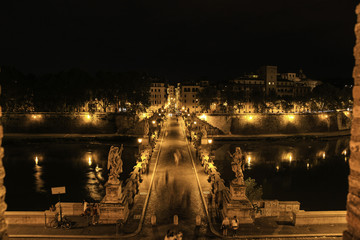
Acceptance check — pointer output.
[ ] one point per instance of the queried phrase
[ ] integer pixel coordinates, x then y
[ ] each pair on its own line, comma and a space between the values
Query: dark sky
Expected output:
180, 39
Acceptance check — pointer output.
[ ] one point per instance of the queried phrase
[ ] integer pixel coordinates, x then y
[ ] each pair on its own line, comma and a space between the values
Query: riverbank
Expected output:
236, 137
69, 137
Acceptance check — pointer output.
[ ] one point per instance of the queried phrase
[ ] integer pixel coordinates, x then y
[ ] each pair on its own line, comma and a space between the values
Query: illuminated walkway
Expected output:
175, 190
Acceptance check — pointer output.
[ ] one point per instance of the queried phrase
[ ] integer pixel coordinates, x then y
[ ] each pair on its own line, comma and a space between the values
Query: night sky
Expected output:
180, 39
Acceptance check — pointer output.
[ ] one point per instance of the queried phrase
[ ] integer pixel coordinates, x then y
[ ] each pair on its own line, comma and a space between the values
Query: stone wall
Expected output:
105, 123
252, 124
3, 225
353, 199
27, 217
319, 217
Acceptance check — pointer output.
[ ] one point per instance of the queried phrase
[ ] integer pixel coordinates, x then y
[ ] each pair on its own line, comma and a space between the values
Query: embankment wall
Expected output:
81, 123
252, 124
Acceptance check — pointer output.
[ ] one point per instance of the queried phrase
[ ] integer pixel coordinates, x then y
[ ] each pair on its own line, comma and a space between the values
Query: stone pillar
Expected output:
3, 225
353, 198
238, 204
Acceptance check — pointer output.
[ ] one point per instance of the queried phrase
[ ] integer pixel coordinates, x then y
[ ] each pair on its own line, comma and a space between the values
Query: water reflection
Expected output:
80, 167
311, 171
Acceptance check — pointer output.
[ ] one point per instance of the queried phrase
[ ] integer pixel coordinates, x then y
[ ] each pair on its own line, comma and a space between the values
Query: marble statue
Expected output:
238, 165
115, 164
204, 132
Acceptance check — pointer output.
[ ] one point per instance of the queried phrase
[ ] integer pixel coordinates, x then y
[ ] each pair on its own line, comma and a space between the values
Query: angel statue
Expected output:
238, 165
204, 132
115, 164
146, 127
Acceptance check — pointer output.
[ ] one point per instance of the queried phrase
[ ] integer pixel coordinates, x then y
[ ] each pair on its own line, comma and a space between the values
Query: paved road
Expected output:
175, 189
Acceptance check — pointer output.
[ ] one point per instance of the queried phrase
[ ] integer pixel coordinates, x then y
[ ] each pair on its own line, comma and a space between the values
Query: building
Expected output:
270, 82
158, 95
189, 97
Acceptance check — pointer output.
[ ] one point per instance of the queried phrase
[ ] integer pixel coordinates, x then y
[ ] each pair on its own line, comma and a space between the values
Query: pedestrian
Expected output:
85, 205
179, 236
225, 225
234, 225
52, 208
95, 214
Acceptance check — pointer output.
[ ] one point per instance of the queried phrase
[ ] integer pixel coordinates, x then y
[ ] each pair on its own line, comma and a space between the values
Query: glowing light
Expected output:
90, 161
183, 108
36, 116
189, 115
159, 114
344, 152
210, 141
203, 117
347, 113
324, 116
36, 160
249, 161
250, 118
139, 140
88, 116
291, 117
153, 122
323, 155
277, 168
195, 122
290, 158
308, 166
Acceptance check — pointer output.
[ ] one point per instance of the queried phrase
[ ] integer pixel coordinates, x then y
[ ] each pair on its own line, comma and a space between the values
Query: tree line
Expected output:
70, 91
323, 97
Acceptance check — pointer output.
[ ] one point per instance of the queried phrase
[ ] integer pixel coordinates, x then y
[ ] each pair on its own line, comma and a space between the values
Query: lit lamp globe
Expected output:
210, 141
140, 140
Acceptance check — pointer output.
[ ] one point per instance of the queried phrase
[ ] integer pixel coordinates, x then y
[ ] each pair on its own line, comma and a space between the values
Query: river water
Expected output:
312, 171
33, 168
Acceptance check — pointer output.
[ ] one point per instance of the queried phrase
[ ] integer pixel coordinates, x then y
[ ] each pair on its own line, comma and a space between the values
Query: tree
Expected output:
253, 191
207, 96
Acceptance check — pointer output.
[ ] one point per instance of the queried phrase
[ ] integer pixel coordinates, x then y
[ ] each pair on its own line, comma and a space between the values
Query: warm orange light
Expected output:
203, 117
195, 122
36, 160
210, 141
153, 122
90, 161
140, 140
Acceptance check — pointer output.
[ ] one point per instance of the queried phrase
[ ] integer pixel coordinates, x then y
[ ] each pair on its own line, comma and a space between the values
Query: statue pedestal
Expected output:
113, 207
204, 141
238, 205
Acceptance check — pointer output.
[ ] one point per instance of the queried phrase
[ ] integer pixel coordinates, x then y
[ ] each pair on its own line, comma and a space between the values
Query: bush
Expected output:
253, 191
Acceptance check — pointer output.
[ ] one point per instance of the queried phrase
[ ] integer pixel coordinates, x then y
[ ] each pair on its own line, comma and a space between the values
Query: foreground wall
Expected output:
254, 123
353, 199
3, 226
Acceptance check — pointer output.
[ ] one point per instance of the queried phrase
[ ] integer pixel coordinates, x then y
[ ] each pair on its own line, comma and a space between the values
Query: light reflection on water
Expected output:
33, 168
312, 171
